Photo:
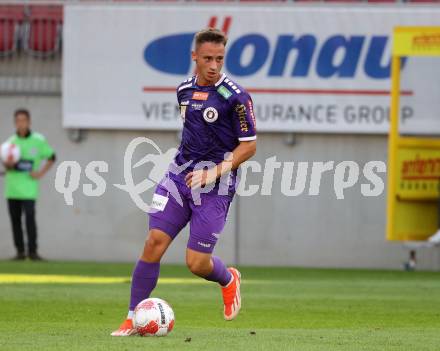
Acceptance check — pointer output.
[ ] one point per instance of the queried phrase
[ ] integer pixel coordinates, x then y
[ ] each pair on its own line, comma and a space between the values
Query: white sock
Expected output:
130, 315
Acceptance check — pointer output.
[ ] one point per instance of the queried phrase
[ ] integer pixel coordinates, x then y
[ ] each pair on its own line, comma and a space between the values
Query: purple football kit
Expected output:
215, 119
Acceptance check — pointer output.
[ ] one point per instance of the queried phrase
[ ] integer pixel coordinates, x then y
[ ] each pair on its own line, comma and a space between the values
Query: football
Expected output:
10, 152
153, 317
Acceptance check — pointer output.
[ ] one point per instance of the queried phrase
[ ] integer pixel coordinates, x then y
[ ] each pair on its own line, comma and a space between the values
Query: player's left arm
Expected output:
48, 154
244, 125
43, 170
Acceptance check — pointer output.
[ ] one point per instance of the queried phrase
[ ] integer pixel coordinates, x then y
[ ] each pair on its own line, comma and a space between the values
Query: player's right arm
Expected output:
243, 152
8, 165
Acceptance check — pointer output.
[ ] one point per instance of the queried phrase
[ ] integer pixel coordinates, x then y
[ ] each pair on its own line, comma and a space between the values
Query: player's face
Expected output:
209, 58
22, 123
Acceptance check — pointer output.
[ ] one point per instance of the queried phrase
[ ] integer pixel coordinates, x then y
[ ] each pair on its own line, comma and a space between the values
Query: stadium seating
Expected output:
37, 29
381, 1
424, 1
43, 30
11, 19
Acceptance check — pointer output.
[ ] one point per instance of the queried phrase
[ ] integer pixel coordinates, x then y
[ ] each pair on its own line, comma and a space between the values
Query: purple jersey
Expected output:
215, 119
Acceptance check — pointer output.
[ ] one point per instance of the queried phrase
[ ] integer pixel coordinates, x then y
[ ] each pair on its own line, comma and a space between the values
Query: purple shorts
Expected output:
172, 210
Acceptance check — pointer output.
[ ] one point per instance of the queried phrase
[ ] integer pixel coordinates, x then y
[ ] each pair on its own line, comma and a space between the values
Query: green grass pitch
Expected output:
283, 309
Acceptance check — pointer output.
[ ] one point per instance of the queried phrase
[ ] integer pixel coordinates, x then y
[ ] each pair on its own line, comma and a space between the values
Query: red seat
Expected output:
263, 0
11, 19
382, 1
44, 30
344, 1
425, 1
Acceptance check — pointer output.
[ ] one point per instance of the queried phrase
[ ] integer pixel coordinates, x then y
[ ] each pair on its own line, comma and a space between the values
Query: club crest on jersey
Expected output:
200, 95
210, 114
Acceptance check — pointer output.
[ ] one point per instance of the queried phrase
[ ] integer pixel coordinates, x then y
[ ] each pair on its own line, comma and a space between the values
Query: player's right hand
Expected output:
9, 164
200, 178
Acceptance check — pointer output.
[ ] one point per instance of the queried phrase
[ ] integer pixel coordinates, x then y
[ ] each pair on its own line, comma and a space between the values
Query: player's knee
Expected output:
155, 242
198, 267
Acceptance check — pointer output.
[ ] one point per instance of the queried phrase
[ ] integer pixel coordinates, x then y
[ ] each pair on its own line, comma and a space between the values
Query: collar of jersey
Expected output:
209, 87
27, 135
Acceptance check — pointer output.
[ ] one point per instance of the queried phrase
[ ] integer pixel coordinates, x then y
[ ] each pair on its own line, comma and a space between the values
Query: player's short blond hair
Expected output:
210, 35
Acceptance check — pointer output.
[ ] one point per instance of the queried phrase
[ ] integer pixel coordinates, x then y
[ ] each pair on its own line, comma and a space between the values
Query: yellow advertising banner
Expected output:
416, 196
413, 163
416, 41
418, 173
414, 220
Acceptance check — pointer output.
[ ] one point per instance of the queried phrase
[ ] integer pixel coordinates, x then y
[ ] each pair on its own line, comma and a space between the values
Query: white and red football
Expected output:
10, 152
153, 317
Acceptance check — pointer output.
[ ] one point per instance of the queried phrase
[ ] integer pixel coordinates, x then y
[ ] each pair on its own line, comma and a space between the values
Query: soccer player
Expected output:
219, 127
21, 182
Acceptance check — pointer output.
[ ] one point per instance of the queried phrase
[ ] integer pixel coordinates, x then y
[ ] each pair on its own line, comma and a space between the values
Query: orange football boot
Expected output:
231, 296
125, 329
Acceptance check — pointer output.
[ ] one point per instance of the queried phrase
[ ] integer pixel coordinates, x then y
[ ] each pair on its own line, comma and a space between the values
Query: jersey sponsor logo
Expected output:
224, 92
204, 244
200, 95
184, 103
210, 114
196, 106
159, 202
241, 112
24, 165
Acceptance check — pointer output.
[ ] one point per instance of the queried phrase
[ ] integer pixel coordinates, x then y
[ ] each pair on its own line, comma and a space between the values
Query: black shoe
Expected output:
35, 257
20, 256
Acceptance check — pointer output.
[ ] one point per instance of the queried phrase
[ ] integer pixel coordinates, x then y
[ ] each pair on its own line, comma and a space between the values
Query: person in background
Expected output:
21, 182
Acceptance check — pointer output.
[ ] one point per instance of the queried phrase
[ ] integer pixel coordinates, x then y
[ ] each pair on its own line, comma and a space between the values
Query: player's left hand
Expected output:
201, 177
36, 175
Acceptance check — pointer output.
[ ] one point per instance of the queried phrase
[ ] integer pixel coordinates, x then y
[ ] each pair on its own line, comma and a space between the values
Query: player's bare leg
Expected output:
213, 269
145, 275
199, 263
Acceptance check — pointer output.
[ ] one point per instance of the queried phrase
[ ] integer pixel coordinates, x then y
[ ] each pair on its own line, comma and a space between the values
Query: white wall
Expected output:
317, 231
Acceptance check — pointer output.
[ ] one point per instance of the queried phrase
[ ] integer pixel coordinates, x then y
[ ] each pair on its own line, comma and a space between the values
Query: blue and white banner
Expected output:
308, 69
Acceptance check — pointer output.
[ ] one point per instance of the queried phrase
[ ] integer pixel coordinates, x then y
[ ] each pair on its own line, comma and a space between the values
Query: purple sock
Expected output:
144, 279
220, 273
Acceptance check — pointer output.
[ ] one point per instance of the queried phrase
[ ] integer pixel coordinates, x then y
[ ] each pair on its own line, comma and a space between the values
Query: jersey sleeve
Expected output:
243, 118
46, 151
